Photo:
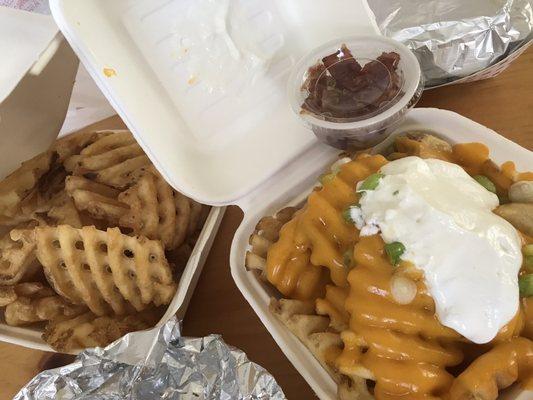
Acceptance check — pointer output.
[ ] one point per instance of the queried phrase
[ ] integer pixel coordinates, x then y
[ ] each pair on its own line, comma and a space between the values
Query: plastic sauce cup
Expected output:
367, 128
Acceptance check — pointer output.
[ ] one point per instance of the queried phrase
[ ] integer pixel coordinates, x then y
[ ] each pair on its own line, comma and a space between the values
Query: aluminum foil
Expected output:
455, 38
157, 364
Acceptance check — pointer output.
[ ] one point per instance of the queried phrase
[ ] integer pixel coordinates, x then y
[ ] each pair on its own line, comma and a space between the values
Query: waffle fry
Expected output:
99, 200
89, 330
17, 256
265, 234
152, 210
16, 186
73, 183
332, 306
71, 145
421, 144
312, 330
107, 271
47, 189
64, 212
34, 302
111, 160
7, 295
103, 144
518, 356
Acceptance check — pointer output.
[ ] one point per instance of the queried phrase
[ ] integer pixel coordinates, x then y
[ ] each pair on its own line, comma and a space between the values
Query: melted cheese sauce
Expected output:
403, 348
318, 237
444, 219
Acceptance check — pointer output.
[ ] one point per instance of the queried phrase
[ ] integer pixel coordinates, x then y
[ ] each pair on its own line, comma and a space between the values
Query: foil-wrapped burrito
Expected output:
455, 38
157, 364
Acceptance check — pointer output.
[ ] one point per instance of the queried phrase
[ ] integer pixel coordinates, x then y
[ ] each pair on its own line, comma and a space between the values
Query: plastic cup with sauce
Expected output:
370, 100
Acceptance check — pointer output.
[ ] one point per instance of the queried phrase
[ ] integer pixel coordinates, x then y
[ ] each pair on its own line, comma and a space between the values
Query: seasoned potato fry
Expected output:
107, 271
43, 196
17, 256
265, 234
99, 200
89, 330
64, 212
423, 145
19, 183
112, 160
520, 215
34, 302
152, 210
71, 145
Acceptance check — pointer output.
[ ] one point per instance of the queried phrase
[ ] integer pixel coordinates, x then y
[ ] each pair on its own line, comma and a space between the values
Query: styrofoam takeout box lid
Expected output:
214, 148
30, 336
292, 187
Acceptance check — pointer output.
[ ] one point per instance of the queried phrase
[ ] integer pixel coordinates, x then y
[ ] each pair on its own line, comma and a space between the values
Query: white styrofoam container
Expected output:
30, 336
35, 108
260, 158
293, 185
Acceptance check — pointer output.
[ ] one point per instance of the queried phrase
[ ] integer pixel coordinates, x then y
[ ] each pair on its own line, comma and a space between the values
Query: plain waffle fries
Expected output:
64, 250
152, 209
325, 345
17, 256
312, 330
31, 302
15, 187
111, 160
89, 330
97, 199
265, 234
105, 270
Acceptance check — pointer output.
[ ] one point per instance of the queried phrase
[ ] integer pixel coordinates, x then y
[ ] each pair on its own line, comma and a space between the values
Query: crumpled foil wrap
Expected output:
157, 364
455, 38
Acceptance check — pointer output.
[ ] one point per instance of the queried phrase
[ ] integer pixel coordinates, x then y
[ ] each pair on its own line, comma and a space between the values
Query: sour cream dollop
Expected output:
470, 256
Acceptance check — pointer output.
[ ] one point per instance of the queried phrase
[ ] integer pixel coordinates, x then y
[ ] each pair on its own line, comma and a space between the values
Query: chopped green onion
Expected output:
371, 182
394, 250
525, 284
395, 192
528, 250
347, 213
325, 178
528, 262
485, 182
347, 258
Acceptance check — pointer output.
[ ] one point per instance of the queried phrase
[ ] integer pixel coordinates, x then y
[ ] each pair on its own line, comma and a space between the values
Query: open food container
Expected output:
35, 103
292, 187
238, 147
